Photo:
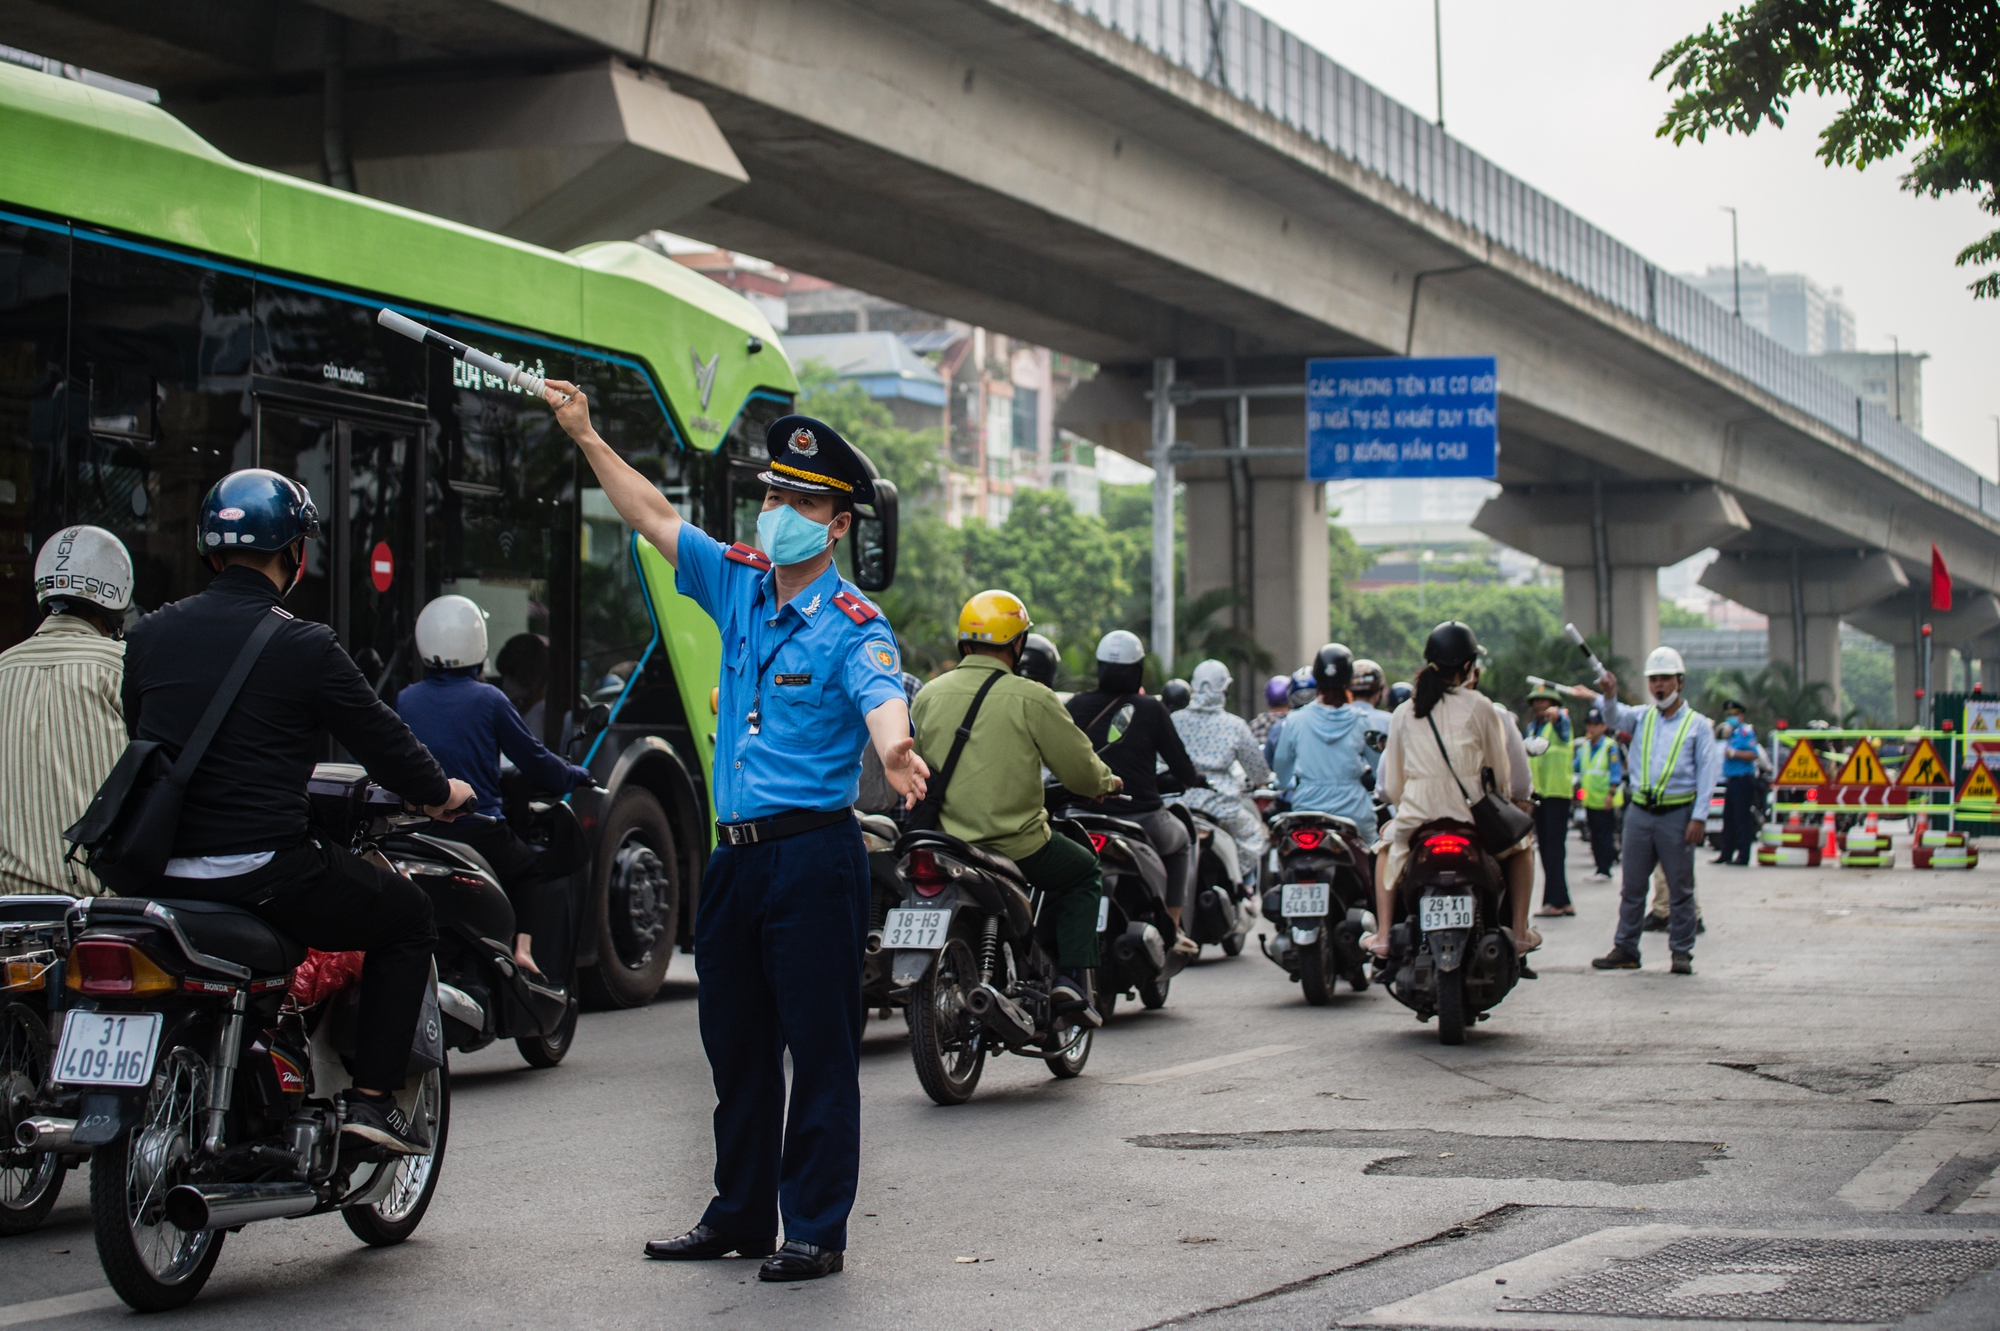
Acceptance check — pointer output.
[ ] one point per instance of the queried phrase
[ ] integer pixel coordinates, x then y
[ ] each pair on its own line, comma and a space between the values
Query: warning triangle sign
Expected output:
1924, 768
1863, 767
1802, 768
1979, 787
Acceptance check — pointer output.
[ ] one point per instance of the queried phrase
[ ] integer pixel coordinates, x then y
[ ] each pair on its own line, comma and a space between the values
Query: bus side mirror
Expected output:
874, 540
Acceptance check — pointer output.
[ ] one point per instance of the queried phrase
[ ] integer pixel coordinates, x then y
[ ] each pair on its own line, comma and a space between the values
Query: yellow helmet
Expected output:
994, 617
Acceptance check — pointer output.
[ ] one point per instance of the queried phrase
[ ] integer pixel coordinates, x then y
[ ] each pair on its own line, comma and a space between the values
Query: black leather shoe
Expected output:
1617, 959
1656, 924
800, 1261
702, 1244
1683, 963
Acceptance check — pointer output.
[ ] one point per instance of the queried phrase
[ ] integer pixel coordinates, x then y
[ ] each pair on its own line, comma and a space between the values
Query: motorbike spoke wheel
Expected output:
1316, 971
29, 1180
946, 1042
1451, 1006
1070, 1050
635, 903
152, 1263
395, 1217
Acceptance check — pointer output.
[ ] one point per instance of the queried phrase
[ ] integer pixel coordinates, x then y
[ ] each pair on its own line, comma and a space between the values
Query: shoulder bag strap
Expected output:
1100, 748
942, 780
225, 696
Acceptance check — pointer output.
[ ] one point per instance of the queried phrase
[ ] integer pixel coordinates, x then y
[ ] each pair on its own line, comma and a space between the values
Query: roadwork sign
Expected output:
1862, 768
1803, 768
1924, 769
1979, 787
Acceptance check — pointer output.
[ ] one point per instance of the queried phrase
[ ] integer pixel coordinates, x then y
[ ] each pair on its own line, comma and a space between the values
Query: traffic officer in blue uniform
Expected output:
810, 674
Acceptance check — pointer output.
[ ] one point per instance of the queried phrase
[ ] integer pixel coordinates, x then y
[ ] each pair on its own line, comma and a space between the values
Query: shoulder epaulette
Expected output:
749, 554
855, 608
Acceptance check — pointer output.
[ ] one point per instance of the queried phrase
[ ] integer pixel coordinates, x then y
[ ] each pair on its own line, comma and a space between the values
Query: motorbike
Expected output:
975, 956
1449, 955
1322, 902
34, 939
1222, 912
482, 995
1134, 932
879, 990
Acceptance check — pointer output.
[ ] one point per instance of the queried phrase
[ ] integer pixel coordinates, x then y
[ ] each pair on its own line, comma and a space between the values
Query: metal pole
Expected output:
1798, 622
1600, 543
1735, 261
333, 107
1163, 512
1897, 343
1437, 37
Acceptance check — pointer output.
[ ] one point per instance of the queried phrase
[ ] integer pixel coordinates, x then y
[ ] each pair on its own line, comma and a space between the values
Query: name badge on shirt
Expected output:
792, 680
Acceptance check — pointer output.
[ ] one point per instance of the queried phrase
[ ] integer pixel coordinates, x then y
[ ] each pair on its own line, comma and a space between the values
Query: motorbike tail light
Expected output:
1308, 838
926, 874
1447, 844
108, 966
1098, 841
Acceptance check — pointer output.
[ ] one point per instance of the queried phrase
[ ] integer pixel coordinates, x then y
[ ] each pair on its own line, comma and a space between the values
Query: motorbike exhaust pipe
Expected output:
194, 1206
874, 944
44, 1134
1000, 1014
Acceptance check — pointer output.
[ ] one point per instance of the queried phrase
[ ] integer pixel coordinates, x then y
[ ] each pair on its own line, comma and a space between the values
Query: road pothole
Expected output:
1422, 1153
1824, 1079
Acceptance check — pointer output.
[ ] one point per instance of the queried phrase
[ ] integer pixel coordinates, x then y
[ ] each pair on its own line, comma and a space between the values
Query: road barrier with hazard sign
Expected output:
1941, 780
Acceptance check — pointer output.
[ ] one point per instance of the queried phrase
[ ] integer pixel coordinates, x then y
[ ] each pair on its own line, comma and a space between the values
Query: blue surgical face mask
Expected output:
789, 536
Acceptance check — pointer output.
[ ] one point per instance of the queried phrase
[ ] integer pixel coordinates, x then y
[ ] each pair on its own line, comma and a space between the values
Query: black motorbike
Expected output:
482, 995
34, 939
975, 956
879, 990
1449, 953
1322, 903
1135, 935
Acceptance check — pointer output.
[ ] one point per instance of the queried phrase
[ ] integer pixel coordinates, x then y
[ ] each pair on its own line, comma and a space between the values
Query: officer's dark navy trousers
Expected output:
778, 942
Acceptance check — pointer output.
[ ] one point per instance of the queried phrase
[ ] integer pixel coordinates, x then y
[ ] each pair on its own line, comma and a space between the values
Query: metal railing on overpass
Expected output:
1253, 59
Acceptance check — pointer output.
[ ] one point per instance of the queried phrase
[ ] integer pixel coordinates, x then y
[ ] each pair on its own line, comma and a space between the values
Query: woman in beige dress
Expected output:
1415, 778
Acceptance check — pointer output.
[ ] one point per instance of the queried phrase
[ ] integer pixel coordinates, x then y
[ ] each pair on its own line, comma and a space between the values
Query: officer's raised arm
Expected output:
643, 507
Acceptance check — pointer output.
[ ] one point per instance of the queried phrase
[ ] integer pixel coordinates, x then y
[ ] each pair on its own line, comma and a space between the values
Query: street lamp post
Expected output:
1437, 41
1897, 343
1735, 261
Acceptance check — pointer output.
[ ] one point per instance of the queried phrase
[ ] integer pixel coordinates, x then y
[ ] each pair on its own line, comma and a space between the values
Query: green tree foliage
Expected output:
1924, 70
1772, 694
1868, 684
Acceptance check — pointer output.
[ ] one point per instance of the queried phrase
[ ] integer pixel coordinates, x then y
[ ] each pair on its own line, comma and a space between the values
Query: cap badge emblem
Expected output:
805, 442
231, 515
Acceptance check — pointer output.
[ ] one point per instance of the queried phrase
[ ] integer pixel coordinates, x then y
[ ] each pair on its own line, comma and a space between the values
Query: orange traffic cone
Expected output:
1830, 846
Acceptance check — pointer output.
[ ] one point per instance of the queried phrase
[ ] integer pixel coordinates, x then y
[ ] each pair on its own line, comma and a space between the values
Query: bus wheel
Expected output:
635, 903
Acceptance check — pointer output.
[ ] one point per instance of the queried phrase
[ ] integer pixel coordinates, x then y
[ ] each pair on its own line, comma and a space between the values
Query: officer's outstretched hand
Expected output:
571, 406
905, 770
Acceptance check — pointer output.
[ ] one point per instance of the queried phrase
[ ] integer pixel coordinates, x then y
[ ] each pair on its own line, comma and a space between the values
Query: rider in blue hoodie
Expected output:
1323, 759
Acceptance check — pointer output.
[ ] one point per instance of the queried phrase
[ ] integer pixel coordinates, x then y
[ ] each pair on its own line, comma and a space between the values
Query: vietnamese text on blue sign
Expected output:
1402, 417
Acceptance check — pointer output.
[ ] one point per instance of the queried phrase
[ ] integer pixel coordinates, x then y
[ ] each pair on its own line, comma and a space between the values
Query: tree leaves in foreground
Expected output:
1908, 70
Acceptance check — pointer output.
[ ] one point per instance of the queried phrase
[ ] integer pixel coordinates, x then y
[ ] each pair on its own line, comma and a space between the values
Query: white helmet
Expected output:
84, 564
1121, 647
451, 632
1664, 661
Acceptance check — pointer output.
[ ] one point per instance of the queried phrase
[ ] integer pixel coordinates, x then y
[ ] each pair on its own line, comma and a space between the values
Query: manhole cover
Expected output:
1775, 1280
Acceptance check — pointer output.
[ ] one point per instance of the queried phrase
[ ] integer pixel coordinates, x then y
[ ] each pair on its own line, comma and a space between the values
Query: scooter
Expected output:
34, 940
1449, 954
1224, 908
879, 990
1135, 935
1322, 903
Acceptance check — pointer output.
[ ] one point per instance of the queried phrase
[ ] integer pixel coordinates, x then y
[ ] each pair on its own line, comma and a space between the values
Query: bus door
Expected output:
365, 574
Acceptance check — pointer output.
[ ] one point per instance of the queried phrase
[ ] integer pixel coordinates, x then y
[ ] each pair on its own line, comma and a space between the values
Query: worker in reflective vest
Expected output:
1552, 766
1600, 777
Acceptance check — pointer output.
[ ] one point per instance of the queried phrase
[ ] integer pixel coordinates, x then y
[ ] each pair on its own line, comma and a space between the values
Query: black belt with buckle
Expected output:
778, 826
1669, 807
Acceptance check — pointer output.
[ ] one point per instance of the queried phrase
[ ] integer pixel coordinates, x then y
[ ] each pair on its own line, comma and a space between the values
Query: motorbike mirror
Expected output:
598, 718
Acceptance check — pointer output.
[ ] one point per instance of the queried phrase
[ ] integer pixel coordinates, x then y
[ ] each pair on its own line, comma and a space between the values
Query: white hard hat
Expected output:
451, 632
1121, 647
1665, 661
84, 564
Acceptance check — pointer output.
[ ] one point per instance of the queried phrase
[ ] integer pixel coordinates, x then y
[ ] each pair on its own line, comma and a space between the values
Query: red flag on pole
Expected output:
1940, 582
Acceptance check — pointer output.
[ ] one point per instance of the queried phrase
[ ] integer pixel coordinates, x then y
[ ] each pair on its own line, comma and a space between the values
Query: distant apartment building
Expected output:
992, 397
1893, 381
1790, 308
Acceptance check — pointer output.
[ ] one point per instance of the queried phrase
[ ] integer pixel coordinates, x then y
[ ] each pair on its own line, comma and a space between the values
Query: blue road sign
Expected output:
1402, 417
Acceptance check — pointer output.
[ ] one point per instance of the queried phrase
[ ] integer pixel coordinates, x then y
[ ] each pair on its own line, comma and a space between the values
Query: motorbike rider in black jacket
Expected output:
244, 836
1133, 734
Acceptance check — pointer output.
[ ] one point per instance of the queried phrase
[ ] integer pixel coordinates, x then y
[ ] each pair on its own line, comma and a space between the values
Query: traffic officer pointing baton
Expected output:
810, 673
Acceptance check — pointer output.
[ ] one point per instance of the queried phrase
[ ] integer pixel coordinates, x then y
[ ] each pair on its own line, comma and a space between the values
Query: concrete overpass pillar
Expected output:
1611, 542
1805, 593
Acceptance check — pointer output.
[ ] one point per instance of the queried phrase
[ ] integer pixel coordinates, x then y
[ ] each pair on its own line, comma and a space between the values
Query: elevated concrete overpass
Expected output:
1176, 189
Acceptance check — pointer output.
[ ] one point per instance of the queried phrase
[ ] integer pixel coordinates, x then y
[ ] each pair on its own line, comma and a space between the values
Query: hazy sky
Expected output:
1556, 92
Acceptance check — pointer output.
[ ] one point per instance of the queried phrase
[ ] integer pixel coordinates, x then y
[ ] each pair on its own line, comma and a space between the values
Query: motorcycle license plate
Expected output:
1446, 913
107, 1048
922, 930
1302, 899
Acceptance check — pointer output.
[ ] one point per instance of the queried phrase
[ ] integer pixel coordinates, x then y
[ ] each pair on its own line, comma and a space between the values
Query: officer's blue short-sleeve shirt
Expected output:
811, 672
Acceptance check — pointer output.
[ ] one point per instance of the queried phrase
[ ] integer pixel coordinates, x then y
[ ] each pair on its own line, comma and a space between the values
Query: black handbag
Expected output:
126, 836
924, 815
1499, 823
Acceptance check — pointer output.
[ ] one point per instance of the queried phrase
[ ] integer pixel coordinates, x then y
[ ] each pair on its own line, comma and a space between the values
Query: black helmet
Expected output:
1451, 647
1176, 694
254, 510
1399, 693
1333, 668
1039, 660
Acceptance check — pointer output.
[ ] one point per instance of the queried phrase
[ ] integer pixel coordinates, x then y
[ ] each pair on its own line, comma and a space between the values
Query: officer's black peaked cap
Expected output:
810, 456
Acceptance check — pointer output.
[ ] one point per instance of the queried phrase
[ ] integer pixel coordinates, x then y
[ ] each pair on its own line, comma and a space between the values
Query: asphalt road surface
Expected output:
1803, 1131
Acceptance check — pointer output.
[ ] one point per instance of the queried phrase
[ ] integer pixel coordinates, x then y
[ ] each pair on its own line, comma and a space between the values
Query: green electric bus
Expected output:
168, 315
